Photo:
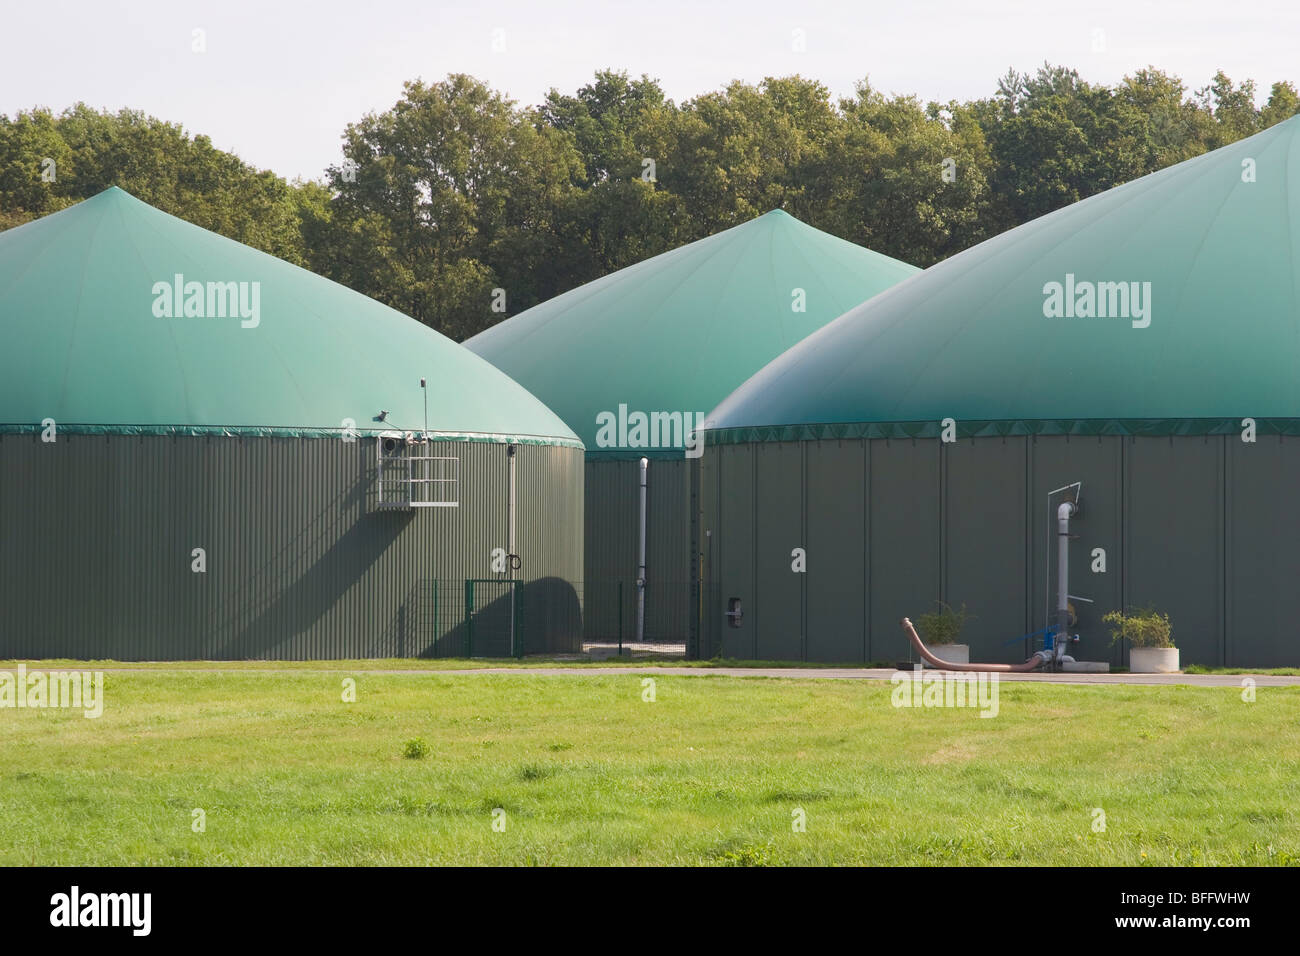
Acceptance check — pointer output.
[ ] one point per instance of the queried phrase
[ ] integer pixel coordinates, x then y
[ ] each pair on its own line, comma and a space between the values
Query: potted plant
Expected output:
1150, 637
940, 630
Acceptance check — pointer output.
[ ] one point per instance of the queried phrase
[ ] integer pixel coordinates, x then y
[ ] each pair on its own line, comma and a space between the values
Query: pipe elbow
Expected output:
1064, 512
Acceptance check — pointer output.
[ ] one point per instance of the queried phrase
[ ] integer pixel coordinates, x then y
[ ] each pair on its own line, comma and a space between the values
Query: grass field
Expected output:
587, 772
455, 664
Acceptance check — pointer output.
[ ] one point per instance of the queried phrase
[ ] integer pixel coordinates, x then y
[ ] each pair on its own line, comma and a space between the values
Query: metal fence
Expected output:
485, 617
671, 611
499, 617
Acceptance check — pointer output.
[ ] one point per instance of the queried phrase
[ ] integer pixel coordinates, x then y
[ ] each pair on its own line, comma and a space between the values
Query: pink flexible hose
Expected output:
1032, 664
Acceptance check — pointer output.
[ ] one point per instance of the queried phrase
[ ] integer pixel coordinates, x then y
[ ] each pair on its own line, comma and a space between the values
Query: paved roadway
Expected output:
798, 673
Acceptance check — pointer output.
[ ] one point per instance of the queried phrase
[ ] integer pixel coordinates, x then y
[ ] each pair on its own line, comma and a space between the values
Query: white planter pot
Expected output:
1153, 660
952, 653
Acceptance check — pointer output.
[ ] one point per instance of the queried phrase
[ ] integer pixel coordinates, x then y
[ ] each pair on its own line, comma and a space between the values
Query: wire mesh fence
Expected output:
616, 610
500, 617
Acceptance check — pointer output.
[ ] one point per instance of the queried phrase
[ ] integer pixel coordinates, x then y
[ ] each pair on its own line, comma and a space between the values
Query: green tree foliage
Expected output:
905, 179
736, 154
453, 193
1283, 103
1056, 139
457, 196
619, 215
608, 120
155, 161
1174, 127
1233, 109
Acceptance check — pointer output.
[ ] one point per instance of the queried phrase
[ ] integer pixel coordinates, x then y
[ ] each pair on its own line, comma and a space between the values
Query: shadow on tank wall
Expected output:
547, 620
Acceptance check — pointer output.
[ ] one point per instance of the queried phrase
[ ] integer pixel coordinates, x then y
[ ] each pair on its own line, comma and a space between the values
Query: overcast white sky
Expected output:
280, 80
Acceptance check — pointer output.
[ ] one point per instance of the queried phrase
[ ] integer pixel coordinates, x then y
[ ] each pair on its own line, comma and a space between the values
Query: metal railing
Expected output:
405, 478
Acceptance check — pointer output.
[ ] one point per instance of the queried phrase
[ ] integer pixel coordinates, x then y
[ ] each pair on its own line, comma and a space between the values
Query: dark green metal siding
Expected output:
904, 540
712, 623
668, 549
733, 547
778, 529
1174, 538
1262, 536
836, 585
96, 534
984, 542
1199, 527
612, 529
1097, 462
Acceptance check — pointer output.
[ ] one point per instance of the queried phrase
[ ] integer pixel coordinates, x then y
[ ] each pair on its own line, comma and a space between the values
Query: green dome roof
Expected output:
1007, 337
677, 332
254, 345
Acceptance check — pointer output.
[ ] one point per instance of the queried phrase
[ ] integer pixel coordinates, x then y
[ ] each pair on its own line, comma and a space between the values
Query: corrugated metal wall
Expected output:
1055, 462
905, 547
612, 530
96, 536
776, 609
982, 567
1173, 541
1262, 532
836, 596
734, 546
1198, 527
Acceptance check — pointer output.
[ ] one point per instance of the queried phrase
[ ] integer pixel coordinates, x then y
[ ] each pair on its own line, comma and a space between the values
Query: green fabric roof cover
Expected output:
969, 339
677, 332
83, 344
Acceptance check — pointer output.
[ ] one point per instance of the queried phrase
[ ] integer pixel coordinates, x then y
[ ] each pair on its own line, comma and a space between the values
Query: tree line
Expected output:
458, 193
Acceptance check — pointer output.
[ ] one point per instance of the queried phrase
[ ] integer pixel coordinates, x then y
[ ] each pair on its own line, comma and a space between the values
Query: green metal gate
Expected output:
492, 618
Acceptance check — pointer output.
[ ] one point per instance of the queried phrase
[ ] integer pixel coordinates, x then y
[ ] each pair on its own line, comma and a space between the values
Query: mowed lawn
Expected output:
714, 771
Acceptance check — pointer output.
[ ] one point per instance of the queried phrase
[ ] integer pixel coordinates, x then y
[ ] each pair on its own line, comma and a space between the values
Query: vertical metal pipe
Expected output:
1063, 513
510, 548
510, 515
640, 570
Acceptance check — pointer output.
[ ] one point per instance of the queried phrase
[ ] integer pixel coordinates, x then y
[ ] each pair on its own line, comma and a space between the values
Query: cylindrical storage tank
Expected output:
634, 360
1143, 343
208, 453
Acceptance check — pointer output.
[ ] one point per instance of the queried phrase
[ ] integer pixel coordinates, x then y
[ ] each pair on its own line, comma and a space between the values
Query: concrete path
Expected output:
796, 673
850, 673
